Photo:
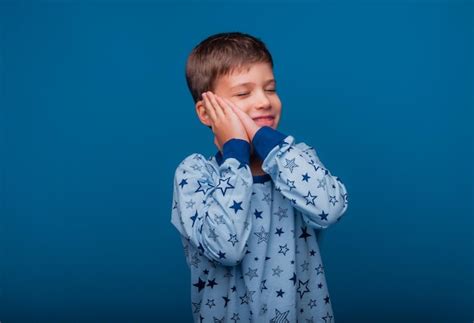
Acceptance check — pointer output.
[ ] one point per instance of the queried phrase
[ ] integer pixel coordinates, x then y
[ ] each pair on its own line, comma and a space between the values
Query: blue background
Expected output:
96, 116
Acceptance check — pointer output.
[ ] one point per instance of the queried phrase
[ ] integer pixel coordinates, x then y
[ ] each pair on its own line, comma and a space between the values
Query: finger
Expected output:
209, 108
220, 113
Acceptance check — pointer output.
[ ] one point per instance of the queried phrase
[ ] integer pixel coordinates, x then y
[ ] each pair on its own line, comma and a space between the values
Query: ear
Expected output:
202, 114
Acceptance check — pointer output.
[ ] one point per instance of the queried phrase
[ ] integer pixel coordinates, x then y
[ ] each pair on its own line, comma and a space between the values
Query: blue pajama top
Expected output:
250, 241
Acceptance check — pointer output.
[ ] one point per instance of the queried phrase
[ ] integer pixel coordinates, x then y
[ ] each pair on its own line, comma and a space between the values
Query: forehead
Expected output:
258, 73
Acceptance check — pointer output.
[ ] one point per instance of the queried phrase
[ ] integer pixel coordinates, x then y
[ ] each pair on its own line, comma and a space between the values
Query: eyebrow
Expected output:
252, 83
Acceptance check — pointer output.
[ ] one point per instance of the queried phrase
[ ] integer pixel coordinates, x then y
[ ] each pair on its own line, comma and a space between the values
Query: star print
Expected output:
283, 249
312, 303
280, 293
196, 167
194, 218
252, 273
235, 317
205, 271
226, 300
281, 213
319, 269
217, 320
190, 204
225, 188
290, 164
322, 183
332, 199
262, 235
306, 177
183, 182
221, 255
300, 285
233, 239
277, 271
305, 234
280, 317
212, 234
197, 307
312, 252
236, 206
262, 285
326, 299
248, 296
305, 266
263, 309
327, 318
320, 285
291, 184
310, 198
210, 303
258, 214
293, 278
267, 198
204, 186
279, 231
200, 284
211, 283
195, 260
219, 219
323, 216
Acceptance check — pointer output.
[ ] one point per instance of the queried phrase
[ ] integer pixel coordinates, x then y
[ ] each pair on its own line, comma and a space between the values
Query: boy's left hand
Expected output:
250, 126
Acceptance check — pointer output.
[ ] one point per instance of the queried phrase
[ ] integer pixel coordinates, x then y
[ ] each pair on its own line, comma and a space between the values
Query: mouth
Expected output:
264, 121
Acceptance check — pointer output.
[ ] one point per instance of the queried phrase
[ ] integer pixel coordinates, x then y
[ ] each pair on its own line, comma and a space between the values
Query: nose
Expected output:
263, 102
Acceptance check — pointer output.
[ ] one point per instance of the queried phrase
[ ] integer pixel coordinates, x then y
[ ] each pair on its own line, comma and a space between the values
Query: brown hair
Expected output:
219, 55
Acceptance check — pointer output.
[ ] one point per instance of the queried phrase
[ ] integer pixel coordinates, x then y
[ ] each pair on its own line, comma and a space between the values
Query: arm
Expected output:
300, 177
211, 208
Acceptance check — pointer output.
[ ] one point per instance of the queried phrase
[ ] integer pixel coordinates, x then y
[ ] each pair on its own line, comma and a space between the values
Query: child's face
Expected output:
253, 91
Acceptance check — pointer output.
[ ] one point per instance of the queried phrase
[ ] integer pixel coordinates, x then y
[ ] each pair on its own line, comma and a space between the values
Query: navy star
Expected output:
290, 164
233, 239
306, 177
319, 269
226, 300
323, 216
262, 285
224, 189
281, 213
233, 289
211, 283
194, 217
200, 284
305, 234
204, 186
210, 303
293, 278
280, 293
310, 198
312, 252
320, 285
235, 317
279, 231
326, 299
183, 182
221, 255
327, 318
236, 206
300, 285
242, 165
332, 200
291, 184
280, 316
258, 214
312, 303
284, 249
205, 271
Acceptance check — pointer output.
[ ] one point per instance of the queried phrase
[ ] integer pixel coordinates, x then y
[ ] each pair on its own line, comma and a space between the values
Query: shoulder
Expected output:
195, 164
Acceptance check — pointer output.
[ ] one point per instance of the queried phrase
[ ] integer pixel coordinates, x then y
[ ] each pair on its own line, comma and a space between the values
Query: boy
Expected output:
249, 215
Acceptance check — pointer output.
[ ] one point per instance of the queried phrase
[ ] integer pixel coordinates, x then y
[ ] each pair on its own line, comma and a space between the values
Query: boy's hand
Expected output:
225, 123
250, 126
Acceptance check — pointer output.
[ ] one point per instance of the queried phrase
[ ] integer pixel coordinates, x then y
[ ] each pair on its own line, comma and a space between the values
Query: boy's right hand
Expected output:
225, 123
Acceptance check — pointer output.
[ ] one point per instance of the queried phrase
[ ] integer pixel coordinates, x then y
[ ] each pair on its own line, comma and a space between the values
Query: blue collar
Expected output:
256, 179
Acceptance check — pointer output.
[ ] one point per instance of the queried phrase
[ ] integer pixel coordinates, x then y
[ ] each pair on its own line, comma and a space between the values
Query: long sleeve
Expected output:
211, 206
301, 177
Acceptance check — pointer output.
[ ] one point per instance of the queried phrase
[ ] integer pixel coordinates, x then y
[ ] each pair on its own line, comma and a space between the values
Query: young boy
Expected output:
249, 215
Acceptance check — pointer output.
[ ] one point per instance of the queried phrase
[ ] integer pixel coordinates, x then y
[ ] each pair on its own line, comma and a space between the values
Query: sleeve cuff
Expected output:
238, 149
265, 139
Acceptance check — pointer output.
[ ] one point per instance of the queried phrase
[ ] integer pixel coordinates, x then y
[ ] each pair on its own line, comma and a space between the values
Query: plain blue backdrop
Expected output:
96, 116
